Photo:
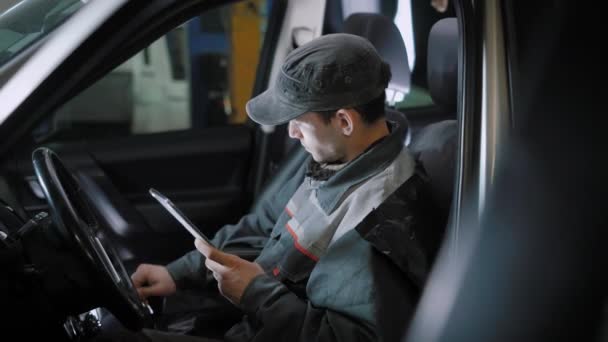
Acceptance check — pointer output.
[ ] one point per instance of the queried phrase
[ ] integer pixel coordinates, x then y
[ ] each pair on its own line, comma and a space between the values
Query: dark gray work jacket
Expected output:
345, 258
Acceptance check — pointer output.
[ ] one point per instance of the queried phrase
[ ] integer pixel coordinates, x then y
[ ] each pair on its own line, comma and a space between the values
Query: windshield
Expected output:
28, 21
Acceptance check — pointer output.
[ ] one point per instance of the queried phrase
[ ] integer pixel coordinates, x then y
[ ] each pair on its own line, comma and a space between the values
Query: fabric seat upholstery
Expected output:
435, 146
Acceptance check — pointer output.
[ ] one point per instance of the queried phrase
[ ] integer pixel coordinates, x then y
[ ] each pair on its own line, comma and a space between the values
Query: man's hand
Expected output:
153, 280
232, 273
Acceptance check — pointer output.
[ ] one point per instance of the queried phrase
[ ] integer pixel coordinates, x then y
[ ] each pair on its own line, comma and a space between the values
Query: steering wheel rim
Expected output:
76, 223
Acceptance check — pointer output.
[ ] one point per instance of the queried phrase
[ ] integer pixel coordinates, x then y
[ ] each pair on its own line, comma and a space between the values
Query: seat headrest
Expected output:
384, 35
442, 63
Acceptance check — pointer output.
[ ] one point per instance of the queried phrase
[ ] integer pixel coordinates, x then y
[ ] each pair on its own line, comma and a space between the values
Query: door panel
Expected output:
204, 172
169, 116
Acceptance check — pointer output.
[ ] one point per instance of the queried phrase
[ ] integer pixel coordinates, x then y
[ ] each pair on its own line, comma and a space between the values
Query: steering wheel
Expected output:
76, 223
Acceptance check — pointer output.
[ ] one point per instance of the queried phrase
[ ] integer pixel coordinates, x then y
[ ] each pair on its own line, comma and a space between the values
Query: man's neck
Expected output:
369, 135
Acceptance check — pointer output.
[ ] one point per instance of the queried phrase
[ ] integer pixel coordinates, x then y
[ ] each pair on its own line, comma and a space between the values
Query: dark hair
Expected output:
370, 112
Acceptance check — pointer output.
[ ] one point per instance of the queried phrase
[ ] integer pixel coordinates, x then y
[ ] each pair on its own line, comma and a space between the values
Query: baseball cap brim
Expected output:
268, 109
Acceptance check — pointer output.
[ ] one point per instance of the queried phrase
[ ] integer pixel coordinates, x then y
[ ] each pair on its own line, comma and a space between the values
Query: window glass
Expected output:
403, 21
198, 75
27, 21
418, 96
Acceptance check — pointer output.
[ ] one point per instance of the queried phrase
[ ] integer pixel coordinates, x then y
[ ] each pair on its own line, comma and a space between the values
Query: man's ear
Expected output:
345, 119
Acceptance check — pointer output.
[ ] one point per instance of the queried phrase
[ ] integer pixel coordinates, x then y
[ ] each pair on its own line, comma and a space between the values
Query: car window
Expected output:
198, 75
28, 21
418, 95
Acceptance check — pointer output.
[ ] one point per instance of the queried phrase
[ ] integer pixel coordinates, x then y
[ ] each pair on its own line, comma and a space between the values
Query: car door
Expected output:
169, 117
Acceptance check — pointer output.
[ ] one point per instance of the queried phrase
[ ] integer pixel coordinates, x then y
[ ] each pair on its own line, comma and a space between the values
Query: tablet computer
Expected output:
183, 219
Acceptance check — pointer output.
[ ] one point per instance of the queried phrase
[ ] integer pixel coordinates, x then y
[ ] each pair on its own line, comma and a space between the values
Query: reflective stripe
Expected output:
298, 246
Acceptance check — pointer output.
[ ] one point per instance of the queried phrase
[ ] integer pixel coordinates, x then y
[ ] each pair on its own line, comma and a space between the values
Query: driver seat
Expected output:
435, 145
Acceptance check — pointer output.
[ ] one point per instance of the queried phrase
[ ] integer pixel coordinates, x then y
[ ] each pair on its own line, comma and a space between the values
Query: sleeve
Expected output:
251, 231
271, 305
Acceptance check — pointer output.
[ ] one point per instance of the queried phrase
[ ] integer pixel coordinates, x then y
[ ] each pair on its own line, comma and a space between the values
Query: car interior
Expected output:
213, 177
434, 146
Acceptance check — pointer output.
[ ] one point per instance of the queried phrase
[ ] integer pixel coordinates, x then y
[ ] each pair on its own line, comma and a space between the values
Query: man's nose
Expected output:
294, 132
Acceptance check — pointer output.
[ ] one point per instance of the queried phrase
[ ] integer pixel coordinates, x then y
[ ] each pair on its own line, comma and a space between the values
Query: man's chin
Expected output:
325, 160
318, 159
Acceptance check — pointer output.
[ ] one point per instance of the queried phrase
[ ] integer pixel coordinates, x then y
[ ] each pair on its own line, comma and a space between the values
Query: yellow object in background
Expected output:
245, 44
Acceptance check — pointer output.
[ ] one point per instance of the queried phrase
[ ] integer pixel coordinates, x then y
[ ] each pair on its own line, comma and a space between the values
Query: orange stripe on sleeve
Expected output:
298, 246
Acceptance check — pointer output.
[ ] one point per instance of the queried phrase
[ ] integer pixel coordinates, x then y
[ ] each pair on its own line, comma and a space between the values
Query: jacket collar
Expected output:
366, 165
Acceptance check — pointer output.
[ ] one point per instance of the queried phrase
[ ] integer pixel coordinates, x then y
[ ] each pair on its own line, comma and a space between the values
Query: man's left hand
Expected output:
232, 273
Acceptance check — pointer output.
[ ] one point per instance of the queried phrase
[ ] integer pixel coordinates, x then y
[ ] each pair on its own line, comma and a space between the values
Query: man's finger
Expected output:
145, 292
204, 248
137, 280
139, 277
213, 253
216, 267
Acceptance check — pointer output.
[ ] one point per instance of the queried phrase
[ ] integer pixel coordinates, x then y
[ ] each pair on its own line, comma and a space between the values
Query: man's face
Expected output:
324, 141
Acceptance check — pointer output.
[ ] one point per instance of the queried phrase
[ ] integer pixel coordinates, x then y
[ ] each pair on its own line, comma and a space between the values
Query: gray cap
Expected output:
330, 72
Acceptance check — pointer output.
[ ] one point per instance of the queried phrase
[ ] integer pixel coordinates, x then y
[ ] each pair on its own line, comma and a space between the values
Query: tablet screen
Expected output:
183, 219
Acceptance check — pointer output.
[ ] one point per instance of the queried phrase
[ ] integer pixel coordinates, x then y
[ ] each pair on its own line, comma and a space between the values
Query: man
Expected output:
345, 249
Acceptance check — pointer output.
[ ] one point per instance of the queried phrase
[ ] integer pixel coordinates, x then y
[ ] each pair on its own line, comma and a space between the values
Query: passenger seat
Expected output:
435, 146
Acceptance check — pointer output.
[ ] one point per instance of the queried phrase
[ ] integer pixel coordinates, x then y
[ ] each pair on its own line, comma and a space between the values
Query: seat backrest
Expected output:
435, 148
435, 145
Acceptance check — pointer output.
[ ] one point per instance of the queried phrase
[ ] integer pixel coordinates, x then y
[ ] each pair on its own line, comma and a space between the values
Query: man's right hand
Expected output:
152, 281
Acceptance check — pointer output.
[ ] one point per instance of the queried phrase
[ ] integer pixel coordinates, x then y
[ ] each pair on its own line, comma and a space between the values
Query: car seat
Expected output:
435, 145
